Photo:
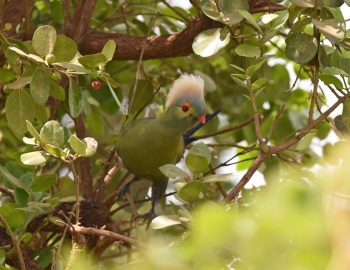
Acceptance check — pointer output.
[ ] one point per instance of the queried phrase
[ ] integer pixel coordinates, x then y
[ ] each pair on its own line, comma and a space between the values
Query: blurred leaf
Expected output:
6, 75
43, 182
74, 67
52, 133
20, 83
161, 222
301, 48
217, 178
2, 256
19, 107
44, 39
331, 29
172, 171
247, 50
345, 117
57, 91
75, 99
198, 158
227, 12
40, 86
193, 191
211, 41
304, 3
109, 49
43, 255
21, 197
65, 49
35, 158
15, 218
93, 60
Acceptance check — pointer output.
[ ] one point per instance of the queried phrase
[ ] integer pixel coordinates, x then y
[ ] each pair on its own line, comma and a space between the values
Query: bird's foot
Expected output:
124, 189
147, 217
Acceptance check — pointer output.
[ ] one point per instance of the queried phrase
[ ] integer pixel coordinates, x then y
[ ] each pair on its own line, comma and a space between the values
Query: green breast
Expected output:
146, 144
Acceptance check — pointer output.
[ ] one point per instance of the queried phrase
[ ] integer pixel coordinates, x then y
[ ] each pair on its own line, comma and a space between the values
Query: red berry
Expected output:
96, 84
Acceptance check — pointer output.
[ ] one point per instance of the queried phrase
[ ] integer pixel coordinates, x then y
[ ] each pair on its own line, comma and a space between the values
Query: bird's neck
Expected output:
177, 125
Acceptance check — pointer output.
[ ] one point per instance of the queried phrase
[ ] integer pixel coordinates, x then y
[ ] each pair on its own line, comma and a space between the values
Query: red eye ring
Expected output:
185, 107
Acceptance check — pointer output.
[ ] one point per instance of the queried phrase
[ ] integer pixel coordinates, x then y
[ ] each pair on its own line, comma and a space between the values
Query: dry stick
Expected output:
245, 123
273, 150
273, 126
7, 191
15, 242
100, 232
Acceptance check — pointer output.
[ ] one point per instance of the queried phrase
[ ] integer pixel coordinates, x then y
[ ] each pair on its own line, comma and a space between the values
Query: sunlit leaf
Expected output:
211, 41
161, 222
35, 158
44, 39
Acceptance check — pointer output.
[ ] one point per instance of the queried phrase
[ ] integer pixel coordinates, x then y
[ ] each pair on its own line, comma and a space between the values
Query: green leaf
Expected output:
44, 255
13, 180
227, 12
217, 178
161, 222
44, 39
172, 171
109, 49
57, 91
250, 19
211, 41
259, 83
21, 197
20, 83
328, 79
75, 99
65, 49
77, 145
193, 191
331, 29
19, 108
79, 69
15, 218
93, 60
35, 158
52, 133
5, 76
345, 117
198, 158
55, 151
304, 3
301, 48
42, 182
2, 256
33, 132
40, 86
239, 81
247, 50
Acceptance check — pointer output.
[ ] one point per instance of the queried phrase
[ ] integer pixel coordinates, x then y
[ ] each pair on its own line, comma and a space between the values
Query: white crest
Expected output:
187, 85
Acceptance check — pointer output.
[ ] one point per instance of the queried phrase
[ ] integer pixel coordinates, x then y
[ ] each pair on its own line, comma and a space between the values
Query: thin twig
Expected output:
15, 242
273, 126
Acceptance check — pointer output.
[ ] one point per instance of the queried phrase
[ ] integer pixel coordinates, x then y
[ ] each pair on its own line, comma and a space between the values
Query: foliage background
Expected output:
269, 67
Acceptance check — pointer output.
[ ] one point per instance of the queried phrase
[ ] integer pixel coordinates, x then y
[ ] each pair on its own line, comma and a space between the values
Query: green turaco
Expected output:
146, 144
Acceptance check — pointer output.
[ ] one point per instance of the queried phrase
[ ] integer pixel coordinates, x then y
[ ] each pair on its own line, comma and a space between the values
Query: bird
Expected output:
146, 144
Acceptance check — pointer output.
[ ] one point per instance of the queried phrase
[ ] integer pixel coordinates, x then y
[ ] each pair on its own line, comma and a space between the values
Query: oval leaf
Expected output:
210, 41
172, 171
35, 158
44, 39
193, 191
75, 99
92, 61
40, 86
247, 50
109, 49
161, 222
42, 182
77, 145
52, 133
19, 108
15, 218
65, 49
301, 48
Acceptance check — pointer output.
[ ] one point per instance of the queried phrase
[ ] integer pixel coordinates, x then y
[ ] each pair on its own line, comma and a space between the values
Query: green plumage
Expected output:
146, 144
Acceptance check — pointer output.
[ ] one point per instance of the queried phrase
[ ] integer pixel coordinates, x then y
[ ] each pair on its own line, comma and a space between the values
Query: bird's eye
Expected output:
185, 107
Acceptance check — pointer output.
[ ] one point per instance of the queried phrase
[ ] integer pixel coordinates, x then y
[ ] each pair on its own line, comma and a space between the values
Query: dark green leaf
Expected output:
301, 48
19, 108
6, 75
193, 191
40, 86
43, 182
93, 60
13, 180
44, 39
75, 99
52, 133
65, 49
15, 218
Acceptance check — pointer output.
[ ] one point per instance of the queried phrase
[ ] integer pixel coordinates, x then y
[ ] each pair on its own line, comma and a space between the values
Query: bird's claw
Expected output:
147, 217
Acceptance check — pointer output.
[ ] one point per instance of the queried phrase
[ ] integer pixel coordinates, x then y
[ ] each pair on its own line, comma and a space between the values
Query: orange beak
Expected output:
201, 119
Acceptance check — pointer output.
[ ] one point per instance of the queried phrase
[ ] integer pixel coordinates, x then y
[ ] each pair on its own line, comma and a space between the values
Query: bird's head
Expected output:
186, 99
